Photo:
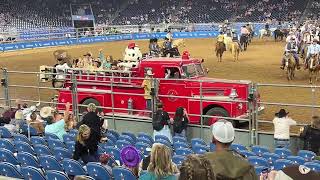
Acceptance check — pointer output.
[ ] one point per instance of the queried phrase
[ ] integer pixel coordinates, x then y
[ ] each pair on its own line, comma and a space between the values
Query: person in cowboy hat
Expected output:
313, 49
131, 159
282, 125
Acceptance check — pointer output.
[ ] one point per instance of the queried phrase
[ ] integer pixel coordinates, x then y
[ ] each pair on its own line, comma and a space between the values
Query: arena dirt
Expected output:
259, 64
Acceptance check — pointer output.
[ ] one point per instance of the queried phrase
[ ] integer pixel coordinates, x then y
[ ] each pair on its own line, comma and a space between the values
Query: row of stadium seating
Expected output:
40, 155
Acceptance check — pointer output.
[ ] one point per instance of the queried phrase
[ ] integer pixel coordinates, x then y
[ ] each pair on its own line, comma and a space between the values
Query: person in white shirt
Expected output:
282, 125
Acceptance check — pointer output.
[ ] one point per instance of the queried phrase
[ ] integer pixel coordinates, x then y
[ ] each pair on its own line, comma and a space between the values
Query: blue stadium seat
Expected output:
247, 153
144, 140
142, 135
283, 152
22, 138
57, 175
114, 133
200, 149
70, 146
9, 170
307, 155
212, 147
183, 151
271, 157
42, 150
7, 156
126, 138
98, 172
259, 150
30, 172
115, 152
73, 132
296, 159
50, 163
164, 142
72, 167
112, 138
178, 159
25, 129
37, 140
197, 141
161, 137
142, 148
180, 145
238, 147
27, 159
51, 136
106, 144
54, 143
68, 137
259, 169
122, 143
282, 163
314, 166
24, 147
61, 153
120, 173
5, 133
6, 144
179, 139
130, 134
316, 161
258, 161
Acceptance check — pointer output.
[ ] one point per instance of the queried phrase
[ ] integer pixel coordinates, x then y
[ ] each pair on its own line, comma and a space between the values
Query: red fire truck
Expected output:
182, 82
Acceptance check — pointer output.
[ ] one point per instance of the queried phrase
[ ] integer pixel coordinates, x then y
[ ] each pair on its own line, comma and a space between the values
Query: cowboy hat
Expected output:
88, 54
130, 156
282, 113
46, 112
149, 73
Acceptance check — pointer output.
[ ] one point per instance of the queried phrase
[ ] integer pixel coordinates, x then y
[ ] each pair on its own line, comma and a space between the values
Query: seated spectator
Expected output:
104, 159
86, 146
282, 125
311, 136
130, 157
160, 123
196, 167
226, 163
161, 165
36, 123
180, 121
56, 123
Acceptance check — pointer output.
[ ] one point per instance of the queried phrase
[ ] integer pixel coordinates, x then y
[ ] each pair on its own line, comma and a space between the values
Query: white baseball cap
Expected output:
223, 131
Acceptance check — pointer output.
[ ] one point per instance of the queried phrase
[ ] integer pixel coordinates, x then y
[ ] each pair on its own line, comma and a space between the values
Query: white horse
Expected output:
227, 41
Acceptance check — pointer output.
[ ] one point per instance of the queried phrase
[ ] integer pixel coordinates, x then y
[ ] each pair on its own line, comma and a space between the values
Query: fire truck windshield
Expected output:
193, 70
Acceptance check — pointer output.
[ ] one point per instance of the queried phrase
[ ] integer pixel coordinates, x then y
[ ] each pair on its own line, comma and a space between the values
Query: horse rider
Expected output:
291, 47
220, 39
267, 28
154, 48
307, 40
291, 36
313, 49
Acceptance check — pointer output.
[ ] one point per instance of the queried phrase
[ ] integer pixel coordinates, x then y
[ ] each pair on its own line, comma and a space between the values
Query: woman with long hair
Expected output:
86, 146
180, 121
161, 165
196, 168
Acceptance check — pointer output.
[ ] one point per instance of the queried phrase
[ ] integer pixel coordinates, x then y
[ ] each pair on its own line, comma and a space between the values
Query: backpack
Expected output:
157, 121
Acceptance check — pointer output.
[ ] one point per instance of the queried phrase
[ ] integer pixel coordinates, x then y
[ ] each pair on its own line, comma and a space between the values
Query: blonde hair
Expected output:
83, 128
196, 167
160, 161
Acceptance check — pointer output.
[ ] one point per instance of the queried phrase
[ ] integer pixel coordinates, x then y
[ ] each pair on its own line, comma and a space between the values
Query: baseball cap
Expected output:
223, 131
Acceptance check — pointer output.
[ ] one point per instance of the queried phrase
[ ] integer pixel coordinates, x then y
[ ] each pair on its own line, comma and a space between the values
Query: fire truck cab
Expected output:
180, 82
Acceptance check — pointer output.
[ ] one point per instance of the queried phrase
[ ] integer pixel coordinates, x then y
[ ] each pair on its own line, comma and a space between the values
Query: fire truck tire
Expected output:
86, 102
216, 111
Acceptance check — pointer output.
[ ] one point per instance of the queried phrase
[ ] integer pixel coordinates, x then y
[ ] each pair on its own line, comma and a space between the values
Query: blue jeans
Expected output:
149, 104
281, 143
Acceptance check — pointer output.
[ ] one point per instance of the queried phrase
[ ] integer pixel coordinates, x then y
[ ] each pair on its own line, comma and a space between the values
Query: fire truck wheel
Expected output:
217, 111
83, 109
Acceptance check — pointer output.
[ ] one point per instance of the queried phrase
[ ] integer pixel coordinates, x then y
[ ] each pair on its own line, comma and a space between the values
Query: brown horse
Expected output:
290, 65
313, 67
219, 50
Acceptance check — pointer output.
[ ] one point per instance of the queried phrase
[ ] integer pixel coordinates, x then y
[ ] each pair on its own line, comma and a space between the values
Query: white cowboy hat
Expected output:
149, 73
46, 112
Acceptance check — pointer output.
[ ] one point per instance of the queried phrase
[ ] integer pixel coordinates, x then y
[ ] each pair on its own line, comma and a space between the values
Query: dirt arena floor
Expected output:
259, 64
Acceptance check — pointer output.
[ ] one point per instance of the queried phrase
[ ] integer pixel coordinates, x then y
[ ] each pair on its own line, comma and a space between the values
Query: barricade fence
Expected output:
252, 121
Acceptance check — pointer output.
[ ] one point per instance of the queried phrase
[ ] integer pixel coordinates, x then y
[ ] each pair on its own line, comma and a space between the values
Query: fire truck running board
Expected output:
125, 116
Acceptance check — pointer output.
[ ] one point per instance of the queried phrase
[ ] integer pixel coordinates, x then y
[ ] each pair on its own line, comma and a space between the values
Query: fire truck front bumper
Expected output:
246, 116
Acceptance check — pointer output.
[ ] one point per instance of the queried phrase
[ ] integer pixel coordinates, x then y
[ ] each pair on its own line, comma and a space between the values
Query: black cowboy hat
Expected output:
282, 113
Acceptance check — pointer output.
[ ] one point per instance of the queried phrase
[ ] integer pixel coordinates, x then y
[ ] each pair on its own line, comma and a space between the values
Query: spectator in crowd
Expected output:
225, 163
104, 159
7, 115
146, 161
86, 146
147, 86
161, 165
92, 120
72, 122
56, 123
311, 136
180, 121
197, 168
160, 123
130, 157
36, 123
282, 125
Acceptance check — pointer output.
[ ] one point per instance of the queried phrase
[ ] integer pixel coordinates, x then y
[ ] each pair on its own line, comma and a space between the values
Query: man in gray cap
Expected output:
227, 164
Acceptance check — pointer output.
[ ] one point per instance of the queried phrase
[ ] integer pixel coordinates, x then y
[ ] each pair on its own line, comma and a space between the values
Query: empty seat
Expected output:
57, 175
260, 169
126, 138
21, 138
61, 153
6, 144
180, 145
282, 163
9, 170
162, 137
98, 172
142, 147
164, 142
179, 139
142, 135
27, 159
51, 136
178, 159
134, 138
50, 163
197, 141
73, 132
114, 133
42, 150
247, 153
122, 143
112, 138
271, 157
120, 173
70, 146
7, 156
30, 172
259, 150
24, 147
68, 137
37, 140
200, 149
5, 133
238, 147
183, 151
54, 143
144, 140
258, 161
307, 155
29, 130
72, 167
313, 166
296, 159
